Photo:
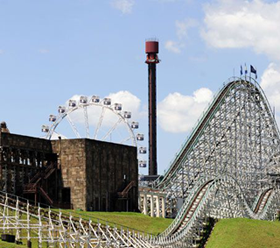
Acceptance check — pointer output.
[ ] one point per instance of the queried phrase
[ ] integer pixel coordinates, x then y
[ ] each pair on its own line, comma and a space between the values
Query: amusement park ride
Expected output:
100, 119
228, 167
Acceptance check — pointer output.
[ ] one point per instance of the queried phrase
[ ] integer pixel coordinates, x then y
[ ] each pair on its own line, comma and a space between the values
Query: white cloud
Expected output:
182, 28
178, 113
241, 24
270, 83
173, 46
125, 6
129, 102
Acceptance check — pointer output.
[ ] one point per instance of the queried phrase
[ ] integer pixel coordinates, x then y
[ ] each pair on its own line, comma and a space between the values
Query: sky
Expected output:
52, 51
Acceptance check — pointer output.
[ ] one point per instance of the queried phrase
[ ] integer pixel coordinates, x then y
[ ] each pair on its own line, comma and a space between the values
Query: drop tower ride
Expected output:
152, 60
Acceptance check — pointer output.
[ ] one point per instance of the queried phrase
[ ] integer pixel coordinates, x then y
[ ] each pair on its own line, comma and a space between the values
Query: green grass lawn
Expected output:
9, 245
134, 221
245, 233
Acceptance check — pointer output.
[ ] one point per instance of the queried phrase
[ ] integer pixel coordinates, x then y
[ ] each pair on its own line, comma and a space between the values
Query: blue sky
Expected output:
53, 50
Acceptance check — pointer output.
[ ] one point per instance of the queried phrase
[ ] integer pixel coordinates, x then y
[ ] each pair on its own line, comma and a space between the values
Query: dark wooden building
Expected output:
78, 173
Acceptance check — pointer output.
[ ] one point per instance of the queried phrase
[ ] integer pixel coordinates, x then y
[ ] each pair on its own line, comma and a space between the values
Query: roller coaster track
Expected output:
190, 209
262, 200
204, 121
180, 233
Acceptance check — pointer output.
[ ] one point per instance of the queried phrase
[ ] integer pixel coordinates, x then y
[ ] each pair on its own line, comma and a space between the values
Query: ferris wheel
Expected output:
96, 118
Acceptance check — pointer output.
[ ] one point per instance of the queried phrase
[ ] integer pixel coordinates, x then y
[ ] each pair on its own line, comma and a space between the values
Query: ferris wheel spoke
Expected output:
74, 128
112, 129
125, 140
86, 121
99, 123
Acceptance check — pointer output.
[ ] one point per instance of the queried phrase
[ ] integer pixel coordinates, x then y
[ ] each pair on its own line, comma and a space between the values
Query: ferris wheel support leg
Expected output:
86, 122
112, 129
74, 128
99, 123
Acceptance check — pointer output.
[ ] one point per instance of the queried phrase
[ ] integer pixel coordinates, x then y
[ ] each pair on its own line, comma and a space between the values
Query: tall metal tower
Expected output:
152, 60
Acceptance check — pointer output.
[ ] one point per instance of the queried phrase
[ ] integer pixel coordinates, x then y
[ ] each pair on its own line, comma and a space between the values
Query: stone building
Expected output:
76, 173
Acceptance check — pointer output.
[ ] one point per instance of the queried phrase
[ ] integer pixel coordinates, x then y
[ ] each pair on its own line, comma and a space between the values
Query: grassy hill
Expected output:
135, 221
9, 245
245, 233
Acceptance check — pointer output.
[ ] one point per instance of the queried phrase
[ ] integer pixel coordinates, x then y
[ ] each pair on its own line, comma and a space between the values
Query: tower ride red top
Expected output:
152, 60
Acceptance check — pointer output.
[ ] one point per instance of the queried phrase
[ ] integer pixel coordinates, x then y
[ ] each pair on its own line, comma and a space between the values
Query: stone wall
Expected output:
110, 168
72, 162
25, 142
